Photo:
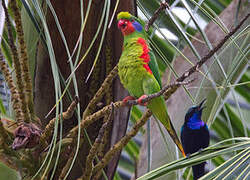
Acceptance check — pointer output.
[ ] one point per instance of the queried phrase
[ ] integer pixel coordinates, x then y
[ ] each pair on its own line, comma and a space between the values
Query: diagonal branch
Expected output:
161, 92
212, 52
105, 110
120, 144
163, 6
102, 90
50, 126
94, 149
5, 139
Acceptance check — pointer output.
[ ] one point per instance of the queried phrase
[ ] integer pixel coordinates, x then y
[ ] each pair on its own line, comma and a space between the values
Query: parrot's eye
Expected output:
124, 24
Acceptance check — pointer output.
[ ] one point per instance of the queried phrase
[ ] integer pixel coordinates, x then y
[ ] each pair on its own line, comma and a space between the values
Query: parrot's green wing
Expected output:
159, 109
154, 68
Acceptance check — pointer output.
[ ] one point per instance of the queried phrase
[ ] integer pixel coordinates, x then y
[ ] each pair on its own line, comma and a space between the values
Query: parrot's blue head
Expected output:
193, 116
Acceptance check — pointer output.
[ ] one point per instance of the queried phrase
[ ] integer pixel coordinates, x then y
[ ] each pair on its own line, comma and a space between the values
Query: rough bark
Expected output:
68, 14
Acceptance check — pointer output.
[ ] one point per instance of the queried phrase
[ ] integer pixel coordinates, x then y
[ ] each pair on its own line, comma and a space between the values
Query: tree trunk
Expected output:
69, 17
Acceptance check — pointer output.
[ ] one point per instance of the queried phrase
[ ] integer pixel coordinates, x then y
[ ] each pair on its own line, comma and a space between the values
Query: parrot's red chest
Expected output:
145, 56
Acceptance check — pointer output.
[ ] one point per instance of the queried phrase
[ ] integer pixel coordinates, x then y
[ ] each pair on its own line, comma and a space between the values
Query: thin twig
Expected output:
93, 151
162, 7
65, 115
212, 52
195, 68
105, 138
120, 144
23, 60
67, 165
15, 100
4, 137
92, 118
161, 92
99, 94
17, 66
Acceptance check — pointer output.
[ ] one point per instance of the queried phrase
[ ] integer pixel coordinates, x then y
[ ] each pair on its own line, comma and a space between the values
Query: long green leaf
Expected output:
8, 173
226, 165
196, 158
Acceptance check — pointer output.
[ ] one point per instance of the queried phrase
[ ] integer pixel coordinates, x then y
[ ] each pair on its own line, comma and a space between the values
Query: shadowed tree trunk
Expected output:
69, 17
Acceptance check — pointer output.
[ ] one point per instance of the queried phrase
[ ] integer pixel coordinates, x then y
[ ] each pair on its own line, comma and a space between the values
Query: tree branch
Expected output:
50, 126
119, 145
102, 90
28, 91
15, 99
17, 66
94, 149
212, 52
161, 92
162, 7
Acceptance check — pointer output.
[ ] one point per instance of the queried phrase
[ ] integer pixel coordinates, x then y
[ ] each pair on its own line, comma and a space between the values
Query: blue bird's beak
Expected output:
200, 107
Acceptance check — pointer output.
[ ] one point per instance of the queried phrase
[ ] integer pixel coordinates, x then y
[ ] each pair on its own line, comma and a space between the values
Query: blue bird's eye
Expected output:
191, 110
137, 26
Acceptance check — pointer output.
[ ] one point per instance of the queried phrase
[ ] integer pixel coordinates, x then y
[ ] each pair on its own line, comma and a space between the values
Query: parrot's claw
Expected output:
139, 101
126, 99
188, 155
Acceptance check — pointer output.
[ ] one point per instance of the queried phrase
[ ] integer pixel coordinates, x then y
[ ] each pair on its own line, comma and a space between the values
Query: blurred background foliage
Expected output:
62, 43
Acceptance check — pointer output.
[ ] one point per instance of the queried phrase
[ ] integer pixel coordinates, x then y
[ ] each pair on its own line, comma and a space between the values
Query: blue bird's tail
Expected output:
198, 170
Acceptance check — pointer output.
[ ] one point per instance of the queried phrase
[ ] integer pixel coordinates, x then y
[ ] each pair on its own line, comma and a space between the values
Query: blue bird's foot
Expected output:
188, 155
200, 150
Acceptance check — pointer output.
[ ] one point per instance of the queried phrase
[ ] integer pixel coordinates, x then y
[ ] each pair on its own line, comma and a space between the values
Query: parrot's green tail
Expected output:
159, 109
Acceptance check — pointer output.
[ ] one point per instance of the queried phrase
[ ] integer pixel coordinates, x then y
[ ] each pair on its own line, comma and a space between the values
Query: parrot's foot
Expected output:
188, 155
126, 99
139, 101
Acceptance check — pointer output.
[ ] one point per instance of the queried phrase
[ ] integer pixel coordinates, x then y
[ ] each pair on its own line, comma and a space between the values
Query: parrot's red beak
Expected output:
125, 26
122, 24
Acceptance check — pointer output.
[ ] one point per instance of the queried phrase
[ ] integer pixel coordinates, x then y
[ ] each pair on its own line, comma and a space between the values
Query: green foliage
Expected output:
8, 173
204, 155
226, 120
2, 108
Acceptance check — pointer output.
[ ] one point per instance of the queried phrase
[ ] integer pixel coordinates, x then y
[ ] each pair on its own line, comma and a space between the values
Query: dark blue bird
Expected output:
195, 136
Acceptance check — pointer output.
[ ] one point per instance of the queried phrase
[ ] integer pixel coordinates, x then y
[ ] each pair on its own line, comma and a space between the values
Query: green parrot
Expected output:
139, 72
